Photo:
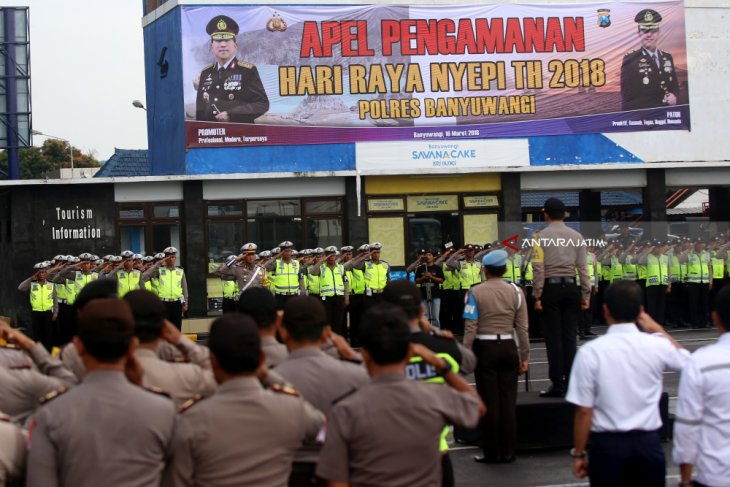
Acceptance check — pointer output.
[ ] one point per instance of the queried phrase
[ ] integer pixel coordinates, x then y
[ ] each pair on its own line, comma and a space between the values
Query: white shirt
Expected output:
620, 376
702, 427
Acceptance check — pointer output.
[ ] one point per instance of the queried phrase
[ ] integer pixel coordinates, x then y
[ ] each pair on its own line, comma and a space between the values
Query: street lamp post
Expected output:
70, 147
138, 104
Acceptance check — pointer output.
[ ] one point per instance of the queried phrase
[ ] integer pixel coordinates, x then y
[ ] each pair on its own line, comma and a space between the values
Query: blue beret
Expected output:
495, 258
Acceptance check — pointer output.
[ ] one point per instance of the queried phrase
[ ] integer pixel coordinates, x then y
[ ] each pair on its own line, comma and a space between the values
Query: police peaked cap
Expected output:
249, 248
221, 28
648, 19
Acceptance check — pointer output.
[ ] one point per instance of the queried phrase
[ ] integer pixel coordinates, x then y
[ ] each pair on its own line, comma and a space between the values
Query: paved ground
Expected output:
552, 467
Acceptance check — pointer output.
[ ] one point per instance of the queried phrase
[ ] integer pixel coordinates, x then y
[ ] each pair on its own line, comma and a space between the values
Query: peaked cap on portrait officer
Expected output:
648, 19
221, 28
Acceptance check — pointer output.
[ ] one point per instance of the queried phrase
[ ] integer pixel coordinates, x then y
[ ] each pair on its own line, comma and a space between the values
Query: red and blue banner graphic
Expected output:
279, 75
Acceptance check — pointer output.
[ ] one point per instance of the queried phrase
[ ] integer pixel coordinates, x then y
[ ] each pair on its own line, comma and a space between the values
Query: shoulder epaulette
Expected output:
52, 395
189, 403
244, 64
5, 418
285, 390
344, 396
208, 67
9, 346
20, 367
158, 391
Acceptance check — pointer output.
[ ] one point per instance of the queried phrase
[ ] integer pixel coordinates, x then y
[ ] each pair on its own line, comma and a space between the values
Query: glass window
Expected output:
166, 235
132, 238
323, 232
224, 239
225, 210
274, 208
129, 213
269, 232
323, 206
167, 212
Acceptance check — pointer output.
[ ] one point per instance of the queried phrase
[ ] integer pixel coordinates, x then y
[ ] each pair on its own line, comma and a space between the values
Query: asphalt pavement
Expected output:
551, 468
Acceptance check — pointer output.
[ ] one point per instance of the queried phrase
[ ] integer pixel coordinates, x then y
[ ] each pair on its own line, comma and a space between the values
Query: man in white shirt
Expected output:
616, 383
702, 427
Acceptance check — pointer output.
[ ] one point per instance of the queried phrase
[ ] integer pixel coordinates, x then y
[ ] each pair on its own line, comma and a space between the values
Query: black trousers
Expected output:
598, 317
447, 471
229, 305
43, 328
355, 310
585, 317
335, 308
281, 300
717, 284
458, 325
656, 302
173, 312
533, 317
496, 378
635, 458
560, 309
698, 301
65, 323
302, 475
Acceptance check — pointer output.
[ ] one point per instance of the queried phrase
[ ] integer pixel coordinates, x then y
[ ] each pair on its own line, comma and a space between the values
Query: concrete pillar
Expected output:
589, 209
356, 226
196, 255
655, 208
511, 205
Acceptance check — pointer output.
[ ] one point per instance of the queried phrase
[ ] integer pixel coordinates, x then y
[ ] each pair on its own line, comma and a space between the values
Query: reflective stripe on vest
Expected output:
657, 271
376, 275
41, 296
718, 268
357, 281
61, 291
286, 277
451, 279
70, 291
617, 269
331, 281
630, 269
230, 289
170, 283
514, 271
528, 274
698, 270
127, 282
470, 274
82, 280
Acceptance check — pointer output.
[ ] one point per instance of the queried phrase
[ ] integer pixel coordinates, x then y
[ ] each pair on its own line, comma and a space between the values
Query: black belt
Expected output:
560, 280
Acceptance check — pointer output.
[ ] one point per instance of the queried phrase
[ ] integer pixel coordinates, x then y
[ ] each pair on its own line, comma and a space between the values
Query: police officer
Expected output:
450, 292
260, 305
244, 270
43, 305
285, 274
75, 275
699, 277
648, 75
557, 294
13, 450
311, 279
658, 280
128, 278
356, 278
172, 285
334, 287
123, 430
375, 271
278, 418
229, 90
469, 269
495, 309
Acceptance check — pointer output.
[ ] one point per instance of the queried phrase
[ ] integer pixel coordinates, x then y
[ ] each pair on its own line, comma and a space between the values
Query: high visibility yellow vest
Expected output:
617, 269
426, 373
698, 270
599, 269
591, 271
61, 292
230, 289
675, 268
514, 271
452, 280
718, 268
528, 275
357, 281
630, 270
470, 274
127, 282
148, 286
285, 277
82, 280
41, 296
312, 283
376, 275
606, 274
70, 291
170, 283
657, 270
331, 281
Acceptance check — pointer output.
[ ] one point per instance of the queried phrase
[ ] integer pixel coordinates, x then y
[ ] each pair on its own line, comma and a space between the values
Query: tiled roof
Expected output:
570, 198
125, 163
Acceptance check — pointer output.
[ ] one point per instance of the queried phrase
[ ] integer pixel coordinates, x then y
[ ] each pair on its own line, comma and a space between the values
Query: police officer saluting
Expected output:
334, 288
244, 270
286, 274
229, 90
375, 271
128, 278
172, 285
43, 305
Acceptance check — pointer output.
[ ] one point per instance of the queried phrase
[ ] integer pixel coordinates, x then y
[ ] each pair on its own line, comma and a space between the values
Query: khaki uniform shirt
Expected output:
560, 252
243, 274
13, 450
104, 432
242, 435
275, 352
500, 309
14, 358
387, 433
182, 381
20, 389
321, 380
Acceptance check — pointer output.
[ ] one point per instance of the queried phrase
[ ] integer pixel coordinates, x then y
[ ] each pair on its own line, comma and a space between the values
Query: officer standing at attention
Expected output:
172, 286
321, 379
648, 75
557, 294
334, 288
658, 280
243, 270
494, 310
229, 287
128, 278
208, 442
311, 280
699, 282
356, 278
387, 432
469, 275
119, 434
285, 274
375, 271
43, 305
75, 275
229, 90
703, 408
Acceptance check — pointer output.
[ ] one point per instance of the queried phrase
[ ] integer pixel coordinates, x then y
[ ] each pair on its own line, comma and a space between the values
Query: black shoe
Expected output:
553, 391
489, 460
509, 459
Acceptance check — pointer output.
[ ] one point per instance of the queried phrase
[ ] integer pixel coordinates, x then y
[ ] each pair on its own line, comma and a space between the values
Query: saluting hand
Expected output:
170, 333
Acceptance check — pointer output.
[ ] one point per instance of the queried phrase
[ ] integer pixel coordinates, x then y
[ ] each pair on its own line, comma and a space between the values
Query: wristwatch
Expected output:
575, 454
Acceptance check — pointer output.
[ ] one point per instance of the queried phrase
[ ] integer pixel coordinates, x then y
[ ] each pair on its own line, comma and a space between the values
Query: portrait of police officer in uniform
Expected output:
648, 75
229, 90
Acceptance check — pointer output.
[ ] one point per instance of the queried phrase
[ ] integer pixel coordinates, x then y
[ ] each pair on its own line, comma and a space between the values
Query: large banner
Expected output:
265, 75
